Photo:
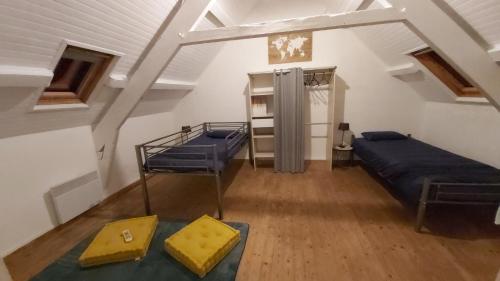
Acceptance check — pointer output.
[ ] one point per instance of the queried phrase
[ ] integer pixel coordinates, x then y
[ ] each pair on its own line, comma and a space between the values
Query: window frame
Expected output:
101, 60
446, 73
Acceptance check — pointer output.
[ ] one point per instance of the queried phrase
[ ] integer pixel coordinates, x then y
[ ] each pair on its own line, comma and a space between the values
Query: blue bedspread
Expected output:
186, 158
405, 164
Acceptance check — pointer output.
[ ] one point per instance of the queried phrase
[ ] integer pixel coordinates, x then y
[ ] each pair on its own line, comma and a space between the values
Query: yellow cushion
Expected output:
108, 246
202, 244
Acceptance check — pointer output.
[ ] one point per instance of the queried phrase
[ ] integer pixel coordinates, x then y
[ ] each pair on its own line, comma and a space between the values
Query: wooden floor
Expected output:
321, 225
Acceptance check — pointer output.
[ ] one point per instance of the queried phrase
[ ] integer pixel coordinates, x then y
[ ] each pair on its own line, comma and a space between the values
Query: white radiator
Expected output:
76, 196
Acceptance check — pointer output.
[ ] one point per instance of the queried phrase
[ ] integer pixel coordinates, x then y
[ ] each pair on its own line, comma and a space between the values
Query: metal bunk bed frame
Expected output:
437, 192
191, 166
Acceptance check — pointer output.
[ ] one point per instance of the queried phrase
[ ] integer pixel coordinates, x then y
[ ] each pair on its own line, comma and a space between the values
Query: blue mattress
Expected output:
186, 158
405, 164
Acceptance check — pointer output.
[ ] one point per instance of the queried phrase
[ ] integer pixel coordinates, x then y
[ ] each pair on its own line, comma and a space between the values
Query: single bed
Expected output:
423, 174
204, 149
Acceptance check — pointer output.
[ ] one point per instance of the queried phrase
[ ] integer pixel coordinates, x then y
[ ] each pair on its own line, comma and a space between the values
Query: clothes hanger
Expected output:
323, 78
308, 80
316, 80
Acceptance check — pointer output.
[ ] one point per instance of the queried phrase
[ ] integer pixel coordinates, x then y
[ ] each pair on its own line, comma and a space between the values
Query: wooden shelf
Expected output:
263, 116
263, 136
262, 95
260, 102
264, 154
263, 123
263, 90
260, 111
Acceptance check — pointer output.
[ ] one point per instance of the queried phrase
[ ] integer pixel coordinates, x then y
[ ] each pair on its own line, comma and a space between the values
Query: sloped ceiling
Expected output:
32, 31
266, 10
391, 42
190, 61
482, 15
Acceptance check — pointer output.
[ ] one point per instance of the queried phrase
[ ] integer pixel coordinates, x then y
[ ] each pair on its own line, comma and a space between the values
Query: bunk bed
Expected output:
204, 149
422, 174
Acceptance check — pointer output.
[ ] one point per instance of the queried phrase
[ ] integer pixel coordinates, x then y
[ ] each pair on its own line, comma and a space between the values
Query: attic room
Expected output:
249, 140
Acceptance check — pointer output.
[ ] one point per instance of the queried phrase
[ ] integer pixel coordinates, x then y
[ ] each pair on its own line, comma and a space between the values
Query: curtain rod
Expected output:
306, 70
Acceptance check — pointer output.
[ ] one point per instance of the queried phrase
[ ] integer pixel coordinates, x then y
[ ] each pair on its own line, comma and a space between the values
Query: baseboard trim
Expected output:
120, 192
347, 163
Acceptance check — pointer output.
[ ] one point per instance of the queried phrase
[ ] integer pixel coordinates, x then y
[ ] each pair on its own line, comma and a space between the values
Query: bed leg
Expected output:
422, 205
420, 216
219, 195
143, 181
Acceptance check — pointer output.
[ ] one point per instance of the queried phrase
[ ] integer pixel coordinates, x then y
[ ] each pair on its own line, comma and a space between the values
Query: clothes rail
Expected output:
318, 123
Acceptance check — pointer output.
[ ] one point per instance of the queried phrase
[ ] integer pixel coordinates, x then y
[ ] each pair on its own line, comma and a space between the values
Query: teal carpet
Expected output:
157, 265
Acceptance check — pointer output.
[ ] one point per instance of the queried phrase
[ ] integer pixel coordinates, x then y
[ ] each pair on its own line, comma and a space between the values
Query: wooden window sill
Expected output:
60, 107
475, 100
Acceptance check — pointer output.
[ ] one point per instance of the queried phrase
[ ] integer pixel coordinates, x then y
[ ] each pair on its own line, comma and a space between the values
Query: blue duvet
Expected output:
185, 158
405, 164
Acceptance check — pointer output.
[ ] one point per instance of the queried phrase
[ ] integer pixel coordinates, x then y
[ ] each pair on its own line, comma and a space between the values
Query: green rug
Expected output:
157, 265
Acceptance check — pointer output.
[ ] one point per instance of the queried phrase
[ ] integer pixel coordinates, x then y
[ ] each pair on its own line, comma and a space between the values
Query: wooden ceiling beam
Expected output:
364, 4
161, 50
314, 23
495, 53
447, 38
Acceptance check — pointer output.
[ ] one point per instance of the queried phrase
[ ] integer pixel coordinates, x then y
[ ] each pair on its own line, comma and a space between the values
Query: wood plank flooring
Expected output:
320, 225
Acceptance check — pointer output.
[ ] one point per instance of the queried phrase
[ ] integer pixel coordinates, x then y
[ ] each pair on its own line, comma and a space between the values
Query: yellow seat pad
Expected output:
202, 244
108, 246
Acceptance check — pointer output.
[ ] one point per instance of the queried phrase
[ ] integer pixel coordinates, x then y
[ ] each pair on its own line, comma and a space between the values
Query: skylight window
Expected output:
446, 73
75, 76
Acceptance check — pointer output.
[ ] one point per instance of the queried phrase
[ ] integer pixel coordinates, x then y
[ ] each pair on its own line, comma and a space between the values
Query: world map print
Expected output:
291, 47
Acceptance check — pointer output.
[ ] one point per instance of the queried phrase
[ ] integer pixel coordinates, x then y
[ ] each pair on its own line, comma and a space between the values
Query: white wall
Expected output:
30, 166
18, 118
136, 130
4, 273
373, 99
316, 103
469, 130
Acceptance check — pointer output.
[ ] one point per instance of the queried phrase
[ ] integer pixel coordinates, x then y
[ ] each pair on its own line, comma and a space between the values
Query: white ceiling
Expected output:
267, 10
190, 61
391, 42
31, 31
482, 15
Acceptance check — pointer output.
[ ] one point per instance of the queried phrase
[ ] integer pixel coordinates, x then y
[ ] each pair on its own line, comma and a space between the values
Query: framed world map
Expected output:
290, 47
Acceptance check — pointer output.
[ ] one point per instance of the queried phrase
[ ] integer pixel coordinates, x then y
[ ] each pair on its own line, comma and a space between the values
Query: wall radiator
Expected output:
76, 196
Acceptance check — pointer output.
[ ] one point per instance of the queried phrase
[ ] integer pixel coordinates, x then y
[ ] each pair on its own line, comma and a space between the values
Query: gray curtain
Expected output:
289, 120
